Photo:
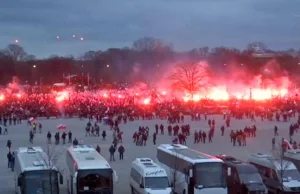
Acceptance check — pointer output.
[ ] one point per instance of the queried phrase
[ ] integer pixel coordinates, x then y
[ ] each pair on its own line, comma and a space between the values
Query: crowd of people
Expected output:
115, 108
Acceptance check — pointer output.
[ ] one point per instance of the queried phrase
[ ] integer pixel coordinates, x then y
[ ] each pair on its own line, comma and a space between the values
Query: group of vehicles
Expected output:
178, 169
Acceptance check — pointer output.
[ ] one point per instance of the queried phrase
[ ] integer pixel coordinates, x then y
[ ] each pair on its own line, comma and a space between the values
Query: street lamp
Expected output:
34, 66
107, 65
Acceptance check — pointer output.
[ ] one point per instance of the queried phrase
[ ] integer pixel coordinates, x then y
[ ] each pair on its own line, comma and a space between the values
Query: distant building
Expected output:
264, 54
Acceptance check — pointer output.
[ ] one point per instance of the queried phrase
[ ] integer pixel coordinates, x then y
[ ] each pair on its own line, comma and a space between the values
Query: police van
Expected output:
146, 177
279, 175
242, 174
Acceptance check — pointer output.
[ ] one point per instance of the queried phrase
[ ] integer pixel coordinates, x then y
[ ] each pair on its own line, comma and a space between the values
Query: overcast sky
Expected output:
117, 23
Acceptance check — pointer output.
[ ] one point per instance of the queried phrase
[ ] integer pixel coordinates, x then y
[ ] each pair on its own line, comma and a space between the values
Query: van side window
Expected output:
235, 177
267, 172
142, 182
274, 175
135, 175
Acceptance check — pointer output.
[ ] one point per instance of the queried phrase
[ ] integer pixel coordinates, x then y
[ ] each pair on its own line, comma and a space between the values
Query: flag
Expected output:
61, 127
287, 144
31, 120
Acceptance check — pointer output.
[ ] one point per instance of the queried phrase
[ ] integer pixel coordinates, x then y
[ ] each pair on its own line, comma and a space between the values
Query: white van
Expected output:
293, 156
146, 177
279, 175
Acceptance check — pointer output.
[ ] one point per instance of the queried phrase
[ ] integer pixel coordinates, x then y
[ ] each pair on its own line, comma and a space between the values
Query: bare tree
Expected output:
16, 52
177, 181
50, 159
150, 44
190, 77
278, 160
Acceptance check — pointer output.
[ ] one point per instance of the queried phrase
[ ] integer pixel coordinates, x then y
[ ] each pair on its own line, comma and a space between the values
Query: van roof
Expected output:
147, 168
187, 154
293, 154
33, 158
271, 162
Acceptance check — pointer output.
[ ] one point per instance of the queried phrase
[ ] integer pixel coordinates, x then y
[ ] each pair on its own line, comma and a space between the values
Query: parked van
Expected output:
146, 177
279, 175
293, 156
242, 174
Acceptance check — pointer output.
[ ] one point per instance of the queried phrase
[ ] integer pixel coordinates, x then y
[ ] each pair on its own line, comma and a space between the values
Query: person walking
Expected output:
121, 151
112, 151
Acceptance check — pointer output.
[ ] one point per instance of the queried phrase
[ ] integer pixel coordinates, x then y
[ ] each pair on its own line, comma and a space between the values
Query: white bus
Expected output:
34, 173
190, 169
89, 172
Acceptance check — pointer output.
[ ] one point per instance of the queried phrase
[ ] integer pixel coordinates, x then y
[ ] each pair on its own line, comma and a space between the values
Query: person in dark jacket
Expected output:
8, 144
75, 142
12, 164
112, 151
98, 149
70, 136
121, 151
9, 159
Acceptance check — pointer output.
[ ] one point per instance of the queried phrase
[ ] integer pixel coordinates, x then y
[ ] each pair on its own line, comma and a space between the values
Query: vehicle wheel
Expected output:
132, 191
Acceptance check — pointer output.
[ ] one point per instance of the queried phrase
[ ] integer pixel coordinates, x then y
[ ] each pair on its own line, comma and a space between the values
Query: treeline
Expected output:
147, 59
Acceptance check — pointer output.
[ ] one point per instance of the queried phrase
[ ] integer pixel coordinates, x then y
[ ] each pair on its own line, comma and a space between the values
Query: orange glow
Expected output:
186, 98
2, 97
61, 96
221, 94
196, 97
146, 101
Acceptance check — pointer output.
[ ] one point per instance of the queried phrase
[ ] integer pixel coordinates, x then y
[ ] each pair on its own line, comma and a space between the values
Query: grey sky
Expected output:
117, 23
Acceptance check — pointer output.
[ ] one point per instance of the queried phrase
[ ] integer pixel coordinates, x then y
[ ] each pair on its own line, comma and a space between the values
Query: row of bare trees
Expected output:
147, 56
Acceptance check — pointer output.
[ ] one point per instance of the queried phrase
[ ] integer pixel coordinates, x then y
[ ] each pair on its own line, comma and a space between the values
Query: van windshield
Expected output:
94, 180
41, 182
250, 178
210, 175
291, 174
157, 182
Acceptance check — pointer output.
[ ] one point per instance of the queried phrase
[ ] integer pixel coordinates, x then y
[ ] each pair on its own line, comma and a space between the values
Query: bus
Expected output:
89, 172
34, 172
192, 170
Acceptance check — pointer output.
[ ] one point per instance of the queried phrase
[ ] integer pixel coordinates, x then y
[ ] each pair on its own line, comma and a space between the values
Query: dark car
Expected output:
243, 177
